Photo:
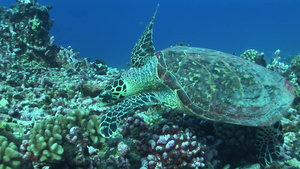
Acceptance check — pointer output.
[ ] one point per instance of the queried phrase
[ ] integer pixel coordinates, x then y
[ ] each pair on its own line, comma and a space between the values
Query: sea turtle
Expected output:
204, 83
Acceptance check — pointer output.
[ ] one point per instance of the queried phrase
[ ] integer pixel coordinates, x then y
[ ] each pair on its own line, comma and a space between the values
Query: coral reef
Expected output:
278, 66
239, 138
49, 138
93, 129
174, 148
295, 63
9, 155
45, 141
120, 160
294, 77
254, 56
50, 110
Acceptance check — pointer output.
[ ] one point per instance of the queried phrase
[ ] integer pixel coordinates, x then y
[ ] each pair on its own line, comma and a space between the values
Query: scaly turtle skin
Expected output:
204, 83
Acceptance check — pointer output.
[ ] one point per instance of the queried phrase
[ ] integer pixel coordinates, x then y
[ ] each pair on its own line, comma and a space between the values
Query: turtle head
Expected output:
114, 92
141, 72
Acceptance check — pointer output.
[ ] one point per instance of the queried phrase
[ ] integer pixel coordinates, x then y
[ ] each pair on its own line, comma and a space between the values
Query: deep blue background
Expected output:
108, 30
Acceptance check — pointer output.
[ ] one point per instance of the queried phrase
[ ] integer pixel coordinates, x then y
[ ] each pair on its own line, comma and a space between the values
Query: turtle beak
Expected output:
106, 96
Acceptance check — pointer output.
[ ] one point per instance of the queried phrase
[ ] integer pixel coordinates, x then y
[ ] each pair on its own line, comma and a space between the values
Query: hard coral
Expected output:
174, 148
278, 66
238, 143
9, 155
133, 126
296, 64
63, 138
120, 159
254, 56
26, 1
46, 141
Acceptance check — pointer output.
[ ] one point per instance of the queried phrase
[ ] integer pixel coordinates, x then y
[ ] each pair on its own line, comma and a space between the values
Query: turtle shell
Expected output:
221, 87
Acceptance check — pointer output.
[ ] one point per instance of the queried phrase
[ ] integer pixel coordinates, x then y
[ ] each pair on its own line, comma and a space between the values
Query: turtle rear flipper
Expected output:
269, 140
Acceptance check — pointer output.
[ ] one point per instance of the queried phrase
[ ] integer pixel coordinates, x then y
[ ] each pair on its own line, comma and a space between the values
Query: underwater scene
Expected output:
188, 89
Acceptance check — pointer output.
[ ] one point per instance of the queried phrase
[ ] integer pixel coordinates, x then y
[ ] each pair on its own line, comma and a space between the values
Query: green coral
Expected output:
293, 162
250, 55
45, 140
297, 91
46, 137
93, 130
296, 64
296, 103
88, 123
35, 23
9, 155
77, 117
254, 56
12, 131
151, 117
3, 102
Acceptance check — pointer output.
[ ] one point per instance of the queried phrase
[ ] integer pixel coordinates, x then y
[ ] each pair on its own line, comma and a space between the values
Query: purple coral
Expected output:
174, 148
120, 160
133, 125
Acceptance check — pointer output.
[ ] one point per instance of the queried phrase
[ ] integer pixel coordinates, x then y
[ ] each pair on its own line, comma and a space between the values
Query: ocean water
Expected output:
108, 30
35, 96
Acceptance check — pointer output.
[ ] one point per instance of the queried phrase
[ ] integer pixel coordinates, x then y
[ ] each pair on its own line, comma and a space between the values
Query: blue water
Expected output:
108, 30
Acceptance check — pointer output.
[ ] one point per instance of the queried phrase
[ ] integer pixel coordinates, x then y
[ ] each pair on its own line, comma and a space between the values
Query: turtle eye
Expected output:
157, 55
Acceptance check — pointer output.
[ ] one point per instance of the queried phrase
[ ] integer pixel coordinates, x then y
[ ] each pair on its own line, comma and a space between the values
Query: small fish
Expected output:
141, 23
182, 44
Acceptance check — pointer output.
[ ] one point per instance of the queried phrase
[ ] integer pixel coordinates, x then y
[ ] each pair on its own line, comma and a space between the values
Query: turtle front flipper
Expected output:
144, 49
269, 140
111, 120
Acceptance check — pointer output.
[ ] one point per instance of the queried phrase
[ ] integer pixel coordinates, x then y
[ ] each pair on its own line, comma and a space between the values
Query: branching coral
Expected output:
9, 155
254, 56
